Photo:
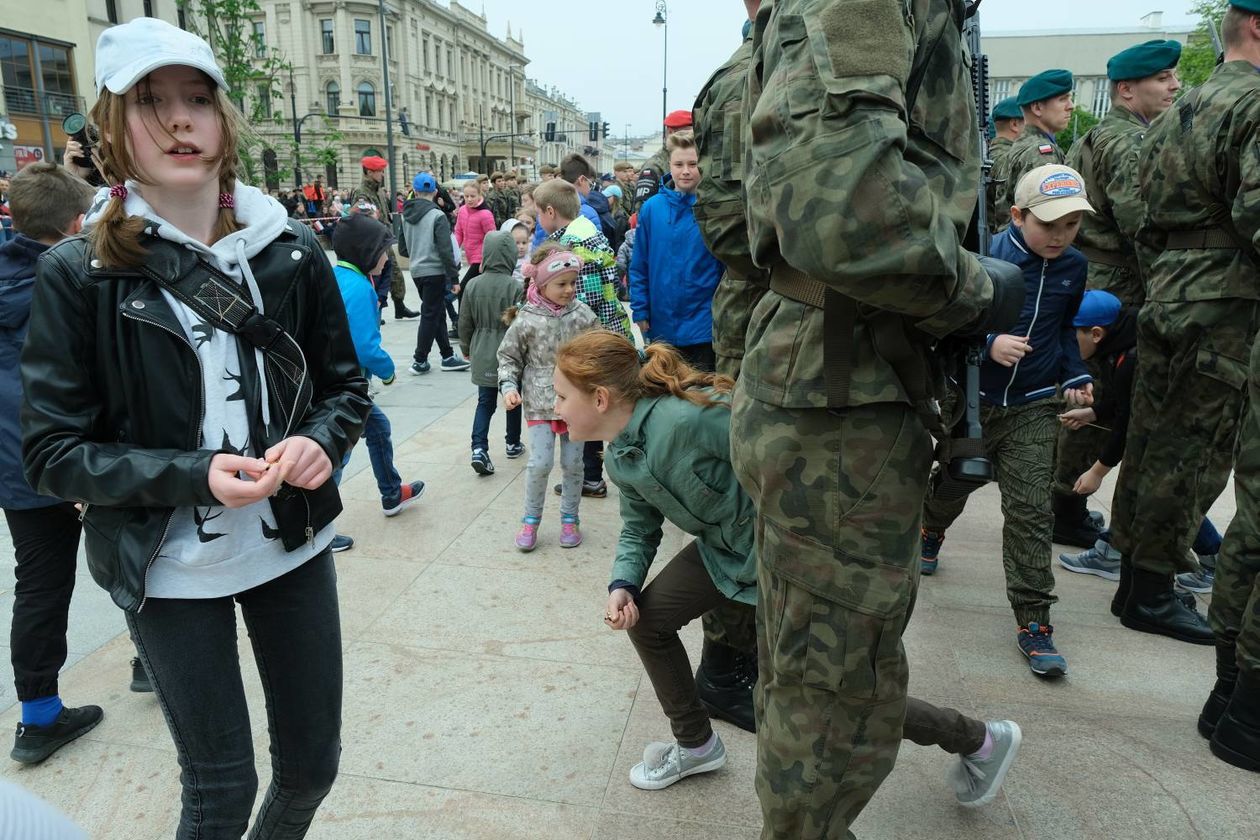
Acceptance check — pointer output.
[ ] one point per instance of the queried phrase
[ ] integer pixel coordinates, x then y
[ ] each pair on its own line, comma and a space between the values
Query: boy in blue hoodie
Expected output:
362, 246
1020, 380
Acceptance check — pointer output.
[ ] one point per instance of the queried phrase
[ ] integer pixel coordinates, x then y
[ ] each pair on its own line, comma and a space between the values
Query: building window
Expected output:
367, 100
332, 97
1001, 90
450, 64
428, 112
148, 8
326, 35
260, 39
425, 53
437, 57
362, 36
111, 11
264, 100
1102, 98
389, 43
452, 116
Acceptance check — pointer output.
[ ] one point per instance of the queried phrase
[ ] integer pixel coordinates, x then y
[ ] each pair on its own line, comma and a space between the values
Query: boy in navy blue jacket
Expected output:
1019, 385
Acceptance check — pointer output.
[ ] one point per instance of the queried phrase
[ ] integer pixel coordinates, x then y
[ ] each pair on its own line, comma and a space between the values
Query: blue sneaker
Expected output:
931, 547
420, 368
1044, 660
1199, 582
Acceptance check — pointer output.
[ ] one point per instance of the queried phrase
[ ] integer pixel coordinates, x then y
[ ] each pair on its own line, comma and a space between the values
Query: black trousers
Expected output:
432, 318
45, 544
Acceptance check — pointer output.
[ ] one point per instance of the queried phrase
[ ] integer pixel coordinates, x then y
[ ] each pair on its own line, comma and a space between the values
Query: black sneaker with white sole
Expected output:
481, 463
515, 450
455, 363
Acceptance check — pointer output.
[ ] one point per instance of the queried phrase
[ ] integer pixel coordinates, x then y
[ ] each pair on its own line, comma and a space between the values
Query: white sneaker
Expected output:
663, 764
976, 782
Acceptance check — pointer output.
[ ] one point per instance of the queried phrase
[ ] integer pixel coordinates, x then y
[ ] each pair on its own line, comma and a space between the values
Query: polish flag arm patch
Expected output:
1046, 149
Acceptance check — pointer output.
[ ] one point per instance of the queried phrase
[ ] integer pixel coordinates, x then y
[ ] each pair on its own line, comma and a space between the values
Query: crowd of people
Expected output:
763, 374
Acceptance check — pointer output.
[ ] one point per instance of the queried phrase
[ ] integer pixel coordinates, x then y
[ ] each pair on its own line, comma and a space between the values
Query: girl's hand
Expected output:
309, 466
621, 613
1078, 418
1091, 479
1083, 395
1006, 350
74, 151
233, 491
511, 399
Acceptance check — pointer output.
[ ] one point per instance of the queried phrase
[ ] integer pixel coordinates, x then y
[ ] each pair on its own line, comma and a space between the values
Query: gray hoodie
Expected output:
428, 234
216, 551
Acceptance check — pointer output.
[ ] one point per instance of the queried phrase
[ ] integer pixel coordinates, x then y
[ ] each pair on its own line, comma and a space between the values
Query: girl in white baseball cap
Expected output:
190, 379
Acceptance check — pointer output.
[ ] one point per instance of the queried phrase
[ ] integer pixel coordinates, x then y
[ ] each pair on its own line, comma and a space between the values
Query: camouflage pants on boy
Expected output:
838, 497
1019, 440
1235, 611
1188, 400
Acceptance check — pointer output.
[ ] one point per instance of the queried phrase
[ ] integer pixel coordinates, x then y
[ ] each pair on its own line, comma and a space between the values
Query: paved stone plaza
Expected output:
485, 698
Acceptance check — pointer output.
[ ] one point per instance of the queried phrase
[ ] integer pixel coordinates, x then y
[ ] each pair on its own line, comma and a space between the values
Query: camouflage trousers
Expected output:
1078, 449
1235, 610
733, 624
1188, 399
397, 288
1019, 440
838, 498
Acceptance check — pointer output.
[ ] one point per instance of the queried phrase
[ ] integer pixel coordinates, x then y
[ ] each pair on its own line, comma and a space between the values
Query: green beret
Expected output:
1145, 59
1252, 6
1045, 85
1007, 109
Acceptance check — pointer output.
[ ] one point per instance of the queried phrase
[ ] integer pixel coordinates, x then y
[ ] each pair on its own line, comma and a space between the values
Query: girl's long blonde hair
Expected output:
602, 358
115, 236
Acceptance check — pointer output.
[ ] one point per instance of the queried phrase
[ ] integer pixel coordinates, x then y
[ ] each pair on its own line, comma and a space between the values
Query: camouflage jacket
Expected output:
719, 208
1199, 172
999, 215
1031, 149
1107, 158
860, 172
651, 176
496, 202
370, 191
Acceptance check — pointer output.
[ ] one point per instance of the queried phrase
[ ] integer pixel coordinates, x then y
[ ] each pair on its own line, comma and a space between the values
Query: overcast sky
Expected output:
607, 54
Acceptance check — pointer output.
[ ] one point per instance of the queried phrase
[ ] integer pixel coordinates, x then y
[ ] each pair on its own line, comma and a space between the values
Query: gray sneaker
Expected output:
976, 782
1101, 560
1200, 581
664, 764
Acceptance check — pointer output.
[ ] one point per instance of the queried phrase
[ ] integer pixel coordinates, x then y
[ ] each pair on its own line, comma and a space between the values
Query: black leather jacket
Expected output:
114, 394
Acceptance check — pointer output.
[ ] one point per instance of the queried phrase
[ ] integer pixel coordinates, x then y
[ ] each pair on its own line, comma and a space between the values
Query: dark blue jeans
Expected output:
487, 403
1208, 540
380, 445
189, 650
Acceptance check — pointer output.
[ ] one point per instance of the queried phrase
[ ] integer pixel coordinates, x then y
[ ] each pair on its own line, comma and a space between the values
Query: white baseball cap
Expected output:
128, 52
1051, 192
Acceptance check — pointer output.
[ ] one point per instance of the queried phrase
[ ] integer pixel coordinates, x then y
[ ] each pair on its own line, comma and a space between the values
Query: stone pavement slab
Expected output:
485, 698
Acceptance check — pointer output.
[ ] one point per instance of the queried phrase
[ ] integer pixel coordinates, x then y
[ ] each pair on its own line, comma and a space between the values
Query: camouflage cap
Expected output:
1144, 60
1007, 109
1051, 192
1045, 85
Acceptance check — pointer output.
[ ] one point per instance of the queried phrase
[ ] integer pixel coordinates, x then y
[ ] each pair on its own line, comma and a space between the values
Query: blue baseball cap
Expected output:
1098, 309
424, 182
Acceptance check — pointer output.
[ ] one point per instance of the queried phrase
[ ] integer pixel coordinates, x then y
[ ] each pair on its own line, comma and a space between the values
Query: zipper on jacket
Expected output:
83, 511
201, 416
310, 530
1036, 311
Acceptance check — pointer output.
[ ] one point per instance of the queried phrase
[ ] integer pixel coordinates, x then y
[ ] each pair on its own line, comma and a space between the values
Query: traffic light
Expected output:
592, 131
605, 131
549, 134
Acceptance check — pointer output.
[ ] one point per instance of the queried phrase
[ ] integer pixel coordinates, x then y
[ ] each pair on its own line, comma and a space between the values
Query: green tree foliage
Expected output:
1199, 55
1081, 122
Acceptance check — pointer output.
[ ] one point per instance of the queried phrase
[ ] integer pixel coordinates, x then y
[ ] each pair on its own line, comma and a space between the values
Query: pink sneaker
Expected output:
570, 533
527, 537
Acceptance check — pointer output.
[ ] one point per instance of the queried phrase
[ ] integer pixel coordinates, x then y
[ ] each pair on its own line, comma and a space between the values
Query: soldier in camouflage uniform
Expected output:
1199, 178
1143, 85
1231, 716
656, 169
1008, 122
860, 170
1046, 101
369, 190
496, 199
626, 175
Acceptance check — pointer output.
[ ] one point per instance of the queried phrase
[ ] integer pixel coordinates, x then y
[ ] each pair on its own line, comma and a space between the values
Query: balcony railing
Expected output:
52, 104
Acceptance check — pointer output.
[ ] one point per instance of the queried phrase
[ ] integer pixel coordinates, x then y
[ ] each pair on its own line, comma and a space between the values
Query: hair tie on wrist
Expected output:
226, 201
643, 357
118, 191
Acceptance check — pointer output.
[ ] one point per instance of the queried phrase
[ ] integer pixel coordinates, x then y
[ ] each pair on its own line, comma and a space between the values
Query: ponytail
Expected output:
602, 358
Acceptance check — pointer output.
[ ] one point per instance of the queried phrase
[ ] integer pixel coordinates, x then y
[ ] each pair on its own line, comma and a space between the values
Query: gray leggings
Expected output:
542, 455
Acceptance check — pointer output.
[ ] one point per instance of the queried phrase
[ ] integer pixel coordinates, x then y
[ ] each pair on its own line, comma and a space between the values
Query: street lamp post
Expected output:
662, 20
512, 106
389, 103
297, 133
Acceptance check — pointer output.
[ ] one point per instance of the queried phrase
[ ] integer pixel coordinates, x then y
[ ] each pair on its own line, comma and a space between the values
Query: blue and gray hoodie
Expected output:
1054, 291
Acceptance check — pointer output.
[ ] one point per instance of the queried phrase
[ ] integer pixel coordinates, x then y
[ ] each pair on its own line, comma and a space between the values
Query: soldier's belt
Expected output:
1110, 258
1193, 240
798, 286
839, 322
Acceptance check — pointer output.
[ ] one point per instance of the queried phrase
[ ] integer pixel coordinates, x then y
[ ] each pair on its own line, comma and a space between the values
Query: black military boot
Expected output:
1236, 740
1153, 607
1218, 698
725, 681
1073, 524
402, 313
1122, 591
